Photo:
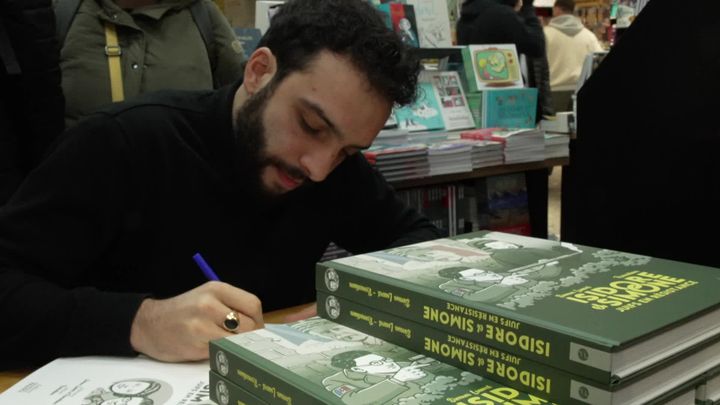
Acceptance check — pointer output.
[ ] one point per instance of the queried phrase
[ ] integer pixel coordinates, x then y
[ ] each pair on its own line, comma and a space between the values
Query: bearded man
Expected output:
96, 247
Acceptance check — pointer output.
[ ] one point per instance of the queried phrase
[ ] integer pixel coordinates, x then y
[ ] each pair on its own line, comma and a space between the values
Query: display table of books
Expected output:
481, 318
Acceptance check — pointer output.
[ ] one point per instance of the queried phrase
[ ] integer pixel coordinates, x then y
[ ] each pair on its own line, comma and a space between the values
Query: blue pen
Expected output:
206, 269
231, 323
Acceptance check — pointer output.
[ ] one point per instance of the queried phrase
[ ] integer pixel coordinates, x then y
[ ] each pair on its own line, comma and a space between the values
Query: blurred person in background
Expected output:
568, 43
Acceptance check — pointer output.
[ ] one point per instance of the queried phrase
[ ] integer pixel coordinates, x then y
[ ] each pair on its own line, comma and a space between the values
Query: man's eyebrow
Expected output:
321, 113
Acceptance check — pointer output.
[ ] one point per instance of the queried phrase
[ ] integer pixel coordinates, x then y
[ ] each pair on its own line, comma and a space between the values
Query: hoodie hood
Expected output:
567, 24
473, 8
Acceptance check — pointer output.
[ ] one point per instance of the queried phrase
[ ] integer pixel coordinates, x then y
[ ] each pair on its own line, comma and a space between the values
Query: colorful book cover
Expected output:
318, 361
545, 300
503, 200
491, 66
248, 38
448, 90
433, 23
400, 18
423, 114
510, 108
535, 378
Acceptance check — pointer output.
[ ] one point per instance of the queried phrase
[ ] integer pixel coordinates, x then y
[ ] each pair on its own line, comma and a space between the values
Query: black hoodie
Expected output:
495, 22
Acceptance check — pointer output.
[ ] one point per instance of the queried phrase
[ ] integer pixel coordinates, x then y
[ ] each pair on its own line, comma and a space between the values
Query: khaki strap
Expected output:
113, 52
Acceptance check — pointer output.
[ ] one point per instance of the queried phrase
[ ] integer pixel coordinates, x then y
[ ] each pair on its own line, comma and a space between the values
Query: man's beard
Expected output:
250, 139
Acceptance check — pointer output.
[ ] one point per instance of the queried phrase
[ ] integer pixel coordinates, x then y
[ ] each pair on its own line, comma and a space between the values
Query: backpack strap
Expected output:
113, 52
65, 11
201, 15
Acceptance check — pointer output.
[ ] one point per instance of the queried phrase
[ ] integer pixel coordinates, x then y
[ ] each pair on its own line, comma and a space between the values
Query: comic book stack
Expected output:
316, 361
567, 323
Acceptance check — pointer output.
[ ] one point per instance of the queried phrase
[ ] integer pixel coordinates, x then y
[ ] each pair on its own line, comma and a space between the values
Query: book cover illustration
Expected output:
510, 108
112, 380
248, 38
423, 114
433, 23
448, 90
400, 18
503, 201
494, 268
552, 294
492, 66
319, 360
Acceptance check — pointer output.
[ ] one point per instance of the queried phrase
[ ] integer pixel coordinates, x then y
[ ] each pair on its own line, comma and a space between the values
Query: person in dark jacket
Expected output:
501, 22
97, 247
31, 99
510, 22
538, 67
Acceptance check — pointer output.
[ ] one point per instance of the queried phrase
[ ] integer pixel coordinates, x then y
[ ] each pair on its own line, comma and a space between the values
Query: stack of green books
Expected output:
316, 361
568, 323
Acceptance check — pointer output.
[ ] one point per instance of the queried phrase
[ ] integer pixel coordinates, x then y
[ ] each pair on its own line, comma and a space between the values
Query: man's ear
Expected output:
259, 70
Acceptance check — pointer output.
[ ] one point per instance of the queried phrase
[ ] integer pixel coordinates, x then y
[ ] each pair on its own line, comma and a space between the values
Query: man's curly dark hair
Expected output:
352, 28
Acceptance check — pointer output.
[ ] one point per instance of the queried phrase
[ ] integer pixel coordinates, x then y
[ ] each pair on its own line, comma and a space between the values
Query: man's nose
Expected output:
319, 162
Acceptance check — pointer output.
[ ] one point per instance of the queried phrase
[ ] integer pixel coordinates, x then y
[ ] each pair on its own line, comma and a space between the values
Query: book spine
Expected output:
453, 315
497, 365
244, 369
224, 392
470, 74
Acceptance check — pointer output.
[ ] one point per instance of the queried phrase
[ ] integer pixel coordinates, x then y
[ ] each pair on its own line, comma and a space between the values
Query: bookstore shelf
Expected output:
481, 172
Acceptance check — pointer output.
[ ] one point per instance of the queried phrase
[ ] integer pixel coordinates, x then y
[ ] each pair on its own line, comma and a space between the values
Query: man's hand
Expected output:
179, 328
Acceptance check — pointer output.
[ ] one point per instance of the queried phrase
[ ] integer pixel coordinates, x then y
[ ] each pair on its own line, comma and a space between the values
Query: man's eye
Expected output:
307, 128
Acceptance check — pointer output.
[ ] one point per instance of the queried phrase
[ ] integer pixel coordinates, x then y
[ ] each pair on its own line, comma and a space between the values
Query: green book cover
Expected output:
510, 108
224, 392
317, 361
424, 114
506, 368
475, 105
599, 313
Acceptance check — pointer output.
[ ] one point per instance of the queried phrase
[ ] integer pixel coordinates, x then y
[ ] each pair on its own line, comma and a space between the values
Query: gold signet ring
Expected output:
231, 322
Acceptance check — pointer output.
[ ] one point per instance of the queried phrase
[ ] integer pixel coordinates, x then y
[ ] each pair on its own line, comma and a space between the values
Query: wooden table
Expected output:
9, 378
